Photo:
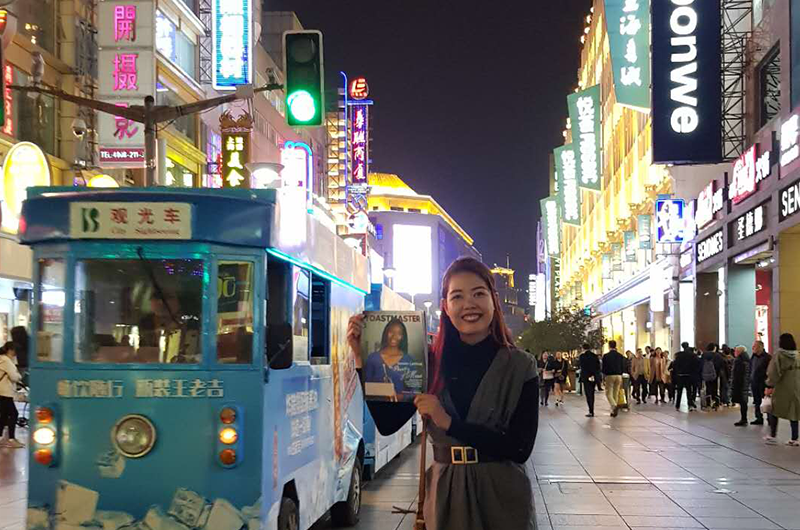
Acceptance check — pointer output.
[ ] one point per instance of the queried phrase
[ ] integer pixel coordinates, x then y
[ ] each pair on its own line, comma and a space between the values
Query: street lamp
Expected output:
265, 174
389, 274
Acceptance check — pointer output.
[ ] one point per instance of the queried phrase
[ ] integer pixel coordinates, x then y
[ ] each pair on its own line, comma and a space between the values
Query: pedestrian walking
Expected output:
684, 366
549, 376
613, 367
590, 372
783, 386
712, 365
758, 379
640, 371
559, 367
9, 377
725, 376
740, 382
667, 376
657, 375
477, 410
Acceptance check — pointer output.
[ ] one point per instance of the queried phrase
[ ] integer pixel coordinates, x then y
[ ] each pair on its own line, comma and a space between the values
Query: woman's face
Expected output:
558, 356
469, 304
394, 336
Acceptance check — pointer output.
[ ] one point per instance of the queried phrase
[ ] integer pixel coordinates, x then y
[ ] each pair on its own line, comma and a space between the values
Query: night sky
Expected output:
469, 101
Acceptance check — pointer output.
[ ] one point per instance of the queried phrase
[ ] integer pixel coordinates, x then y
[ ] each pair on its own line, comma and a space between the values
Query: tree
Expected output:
565, 330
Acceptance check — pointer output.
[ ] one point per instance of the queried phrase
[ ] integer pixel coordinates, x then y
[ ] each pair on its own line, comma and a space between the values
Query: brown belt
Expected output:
461, 455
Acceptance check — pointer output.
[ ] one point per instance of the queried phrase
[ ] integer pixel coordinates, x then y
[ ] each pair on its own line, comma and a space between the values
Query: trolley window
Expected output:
320, 313
300, 313
235, 312
138, 311
51, 303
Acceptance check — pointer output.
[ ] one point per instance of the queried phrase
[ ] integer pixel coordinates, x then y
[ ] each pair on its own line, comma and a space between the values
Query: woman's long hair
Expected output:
403, 342
448, 334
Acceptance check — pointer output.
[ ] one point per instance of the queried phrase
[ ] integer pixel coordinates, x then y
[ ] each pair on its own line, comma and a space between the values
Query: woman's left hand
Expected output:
430, 407
769, 391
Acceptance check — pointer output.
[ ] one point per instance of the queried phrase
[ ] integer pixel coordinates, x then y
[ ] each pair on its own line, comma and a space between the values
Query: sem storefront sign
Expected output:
687, 106
710, 246
628, 28
790, 201
25, 166
570, 193
749, 224
584, 115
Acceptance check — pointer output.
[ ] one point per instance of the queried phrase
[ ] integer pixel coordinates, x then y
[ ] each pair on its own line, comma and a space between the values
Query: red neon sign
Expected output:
359, 88
3, 20
8, 77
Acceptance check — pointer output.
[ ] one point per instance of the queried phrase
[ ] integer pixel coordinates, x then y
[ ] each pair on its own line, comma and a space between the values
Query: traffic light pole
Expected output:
150, 114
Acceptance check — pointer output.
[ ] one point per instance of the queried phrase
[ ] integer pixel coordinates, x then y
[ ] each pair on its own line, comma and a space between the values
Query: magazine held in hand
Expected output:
395, 349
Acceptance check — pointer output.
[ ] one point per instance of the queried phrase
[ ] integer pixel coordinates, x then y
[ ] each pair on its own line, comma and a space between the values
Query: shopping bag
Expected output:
766, 405
621, 399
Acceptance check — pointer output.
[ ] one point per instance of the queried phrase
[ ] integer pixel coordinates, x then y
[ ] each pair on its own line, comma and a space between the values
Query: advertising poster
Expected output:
394, 353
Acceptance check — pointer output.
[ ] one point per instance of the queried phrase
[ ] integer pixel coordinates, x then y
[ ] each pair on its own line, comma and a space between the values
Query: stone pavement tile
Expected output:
789, 522
660, 509
572, 527
602, 521
577, 506
661, 522
733, 510
745, 523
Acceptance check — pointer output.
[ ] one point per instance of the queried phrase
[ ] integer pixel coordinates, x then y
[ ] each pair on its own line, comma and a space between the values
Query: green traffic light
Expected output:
302, 105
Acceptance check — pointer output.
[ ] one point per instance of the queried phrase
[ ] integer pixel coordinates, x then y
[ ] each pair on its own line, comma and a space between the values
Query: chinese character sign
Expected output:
235, 154
629, 240
125, 23
130, 220
744, 176
570, 193
551, 225
360, 143
584, 115
628, 26
232, 43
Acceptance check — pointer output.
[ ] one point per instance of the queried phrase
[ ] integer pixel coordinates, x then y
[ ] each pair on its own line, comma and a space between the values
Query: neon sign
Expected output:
670, 223
744, 176
359, 144
232, 43
359, 88
235, 154
8, 100
125, 23
790, 148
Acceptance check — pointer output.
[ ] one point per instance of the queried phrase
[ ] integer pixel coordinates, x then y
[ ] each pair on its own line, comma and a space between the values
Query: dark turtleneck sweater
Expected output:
464, 367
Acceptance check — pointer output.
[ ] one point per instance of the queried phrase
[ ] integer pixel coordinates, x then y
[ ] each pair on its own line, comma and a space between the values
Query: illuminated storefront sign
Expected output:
532, 290
584, 115
232, 46
413, 259
8, 100
359, 89
644, 231
744, 176
670, 222
629, 240
709, 202
552, 225
359, 142
235, 154
570, 194
126, 74
710, 246
25, 166
750, 223
628, 27
790, 201
790, 147
687, 108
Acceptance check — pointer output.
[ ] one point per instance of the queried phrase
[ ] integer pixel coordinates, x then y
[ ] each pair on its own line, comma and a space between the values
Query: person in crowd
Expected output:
683, 367
670, 374
725, 377
697, 374
657, 375
783, 386
559, 367
758, 381
9, 377
613, 367
478, 401
590, 372
739, 382
666, 377
19, 336
712, 365
548, 377
640, 372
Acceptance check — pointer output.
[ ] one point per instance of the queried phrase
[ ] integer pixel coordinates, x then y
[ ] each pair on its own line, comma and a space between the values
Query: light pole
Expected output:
428, 305
150, 114
389, 272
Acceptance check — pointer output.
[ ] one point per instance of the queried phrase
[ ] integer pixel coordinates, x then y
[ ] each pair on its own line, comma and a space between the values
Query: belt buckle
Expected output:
463, 455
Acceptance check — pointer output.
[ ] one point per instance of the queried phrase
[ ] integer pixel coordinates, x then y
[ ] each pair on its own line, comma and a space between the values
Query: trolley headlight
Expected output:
44, 436
133, 436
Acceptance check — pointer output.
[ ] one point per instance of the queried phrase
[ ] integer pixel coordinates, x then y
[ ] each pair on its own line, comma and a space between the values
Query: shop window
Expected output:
33, 118
37, 22
51, 301
175, 45
138, 311
235, 312
191, 4
320, 313
186, 125
769, 76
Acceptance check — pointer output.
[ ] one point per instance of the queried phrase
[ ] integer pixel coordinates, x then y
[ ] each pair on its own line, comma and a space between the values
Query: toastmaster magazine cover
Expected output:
395, 355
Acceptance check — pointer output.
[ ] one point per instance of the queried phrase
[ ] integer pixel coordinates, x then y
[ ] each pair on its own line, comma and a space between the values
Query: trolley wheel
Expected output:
289, 516
347, 513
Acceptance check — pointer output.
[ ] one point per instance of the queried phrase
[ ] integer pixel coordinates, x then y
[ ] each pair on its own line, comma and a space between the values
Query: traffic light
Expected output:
304, 86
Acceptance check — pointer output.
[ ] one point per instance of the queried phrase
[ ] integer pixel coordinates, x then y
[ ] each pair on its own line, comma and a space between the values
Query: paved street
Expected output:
652, 468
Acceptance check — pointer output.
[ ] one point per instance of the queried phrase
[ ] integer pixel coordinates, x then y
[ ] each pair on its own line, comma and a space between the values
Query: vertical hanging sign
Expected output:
569, 192
126, 75
629, 239
552, 225
584, 115
235, 150
358, 184
232, 43
644, 230
628, 27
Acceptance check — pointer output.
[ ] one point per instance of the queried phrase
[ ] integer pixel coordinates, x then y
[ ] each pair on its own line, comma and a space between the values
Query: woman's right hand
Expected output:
354, 330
